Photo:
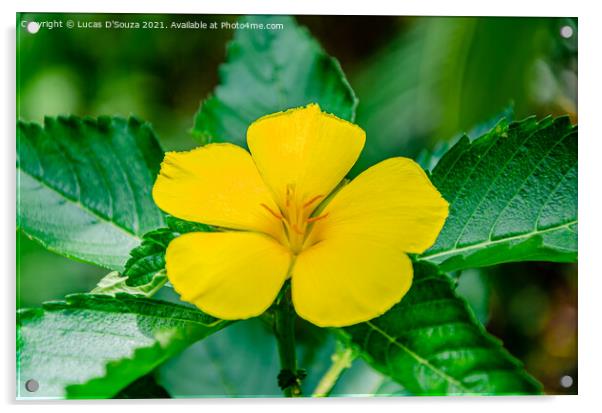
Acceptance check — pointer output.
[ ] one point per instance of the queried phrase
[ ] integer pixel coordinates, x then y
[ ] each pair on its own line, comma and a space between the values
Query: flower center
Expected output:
296, 217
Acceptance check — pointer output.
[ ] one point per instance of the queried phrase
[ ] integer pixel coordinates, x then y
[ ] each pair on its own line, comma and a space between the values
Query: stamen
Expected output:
311, 201
289, 194
278, 216
295, 216
314, 219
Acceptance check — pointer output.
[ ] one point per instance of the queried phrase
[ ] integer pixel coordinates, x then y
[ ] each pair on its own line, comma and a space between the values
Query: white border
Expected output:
590, 150
336, 7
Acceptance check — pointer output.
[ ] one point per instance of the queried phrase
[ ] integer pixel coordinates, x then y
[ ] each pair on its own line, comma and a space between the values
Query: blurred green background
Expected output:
420, 80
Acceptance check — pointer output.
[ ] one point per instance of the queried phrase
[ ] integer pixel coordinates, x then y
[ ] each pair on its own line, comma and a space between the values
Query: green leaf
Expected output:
240, 361
145, 270
84, 186
268, 71
148, 259
428, 159
432, 344
93, 346
114, 283
180, 226
512, 195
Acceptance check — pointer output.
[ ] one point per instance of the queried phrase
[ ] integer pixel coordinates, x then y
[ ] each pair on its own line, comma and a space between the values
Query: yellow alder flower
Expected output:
346, 254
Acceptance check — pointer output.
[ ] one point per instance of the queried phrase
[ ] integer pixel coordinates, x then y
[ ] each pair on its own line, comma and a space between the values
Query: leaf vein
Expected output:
524, 181
418, 358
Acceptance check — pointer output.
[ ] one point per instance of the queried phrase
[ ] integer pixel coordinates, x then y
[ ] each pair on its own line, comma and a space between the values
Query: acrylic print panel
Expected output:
295, 206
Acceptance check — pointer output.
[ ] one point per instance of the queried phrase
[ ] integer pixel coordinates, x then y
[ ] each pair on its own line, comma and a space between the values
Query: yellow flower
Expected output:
345, 252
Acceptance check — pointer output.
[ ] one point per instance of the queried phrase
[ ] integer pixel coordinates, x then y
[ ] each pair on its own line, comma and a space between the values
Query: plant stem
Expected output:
284, 329
341, 360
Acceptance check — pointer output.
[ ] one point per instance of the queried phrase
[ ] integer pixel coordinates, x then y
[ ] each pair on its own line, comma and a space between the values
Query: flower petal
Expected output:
230, 275
341, 282
393, 202
216, 184
303, 152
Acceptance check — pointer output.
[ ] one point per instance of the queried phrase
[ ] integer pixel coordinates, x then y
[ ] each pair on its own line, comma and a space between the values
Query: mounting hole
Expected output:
566, 381
32, 385
566, 32
33, 27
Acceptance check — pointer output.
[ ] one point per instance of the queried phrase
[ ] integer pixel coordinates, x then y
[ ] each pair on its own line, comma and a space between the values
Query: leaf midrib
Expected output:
138, 313
489, 242
419, 359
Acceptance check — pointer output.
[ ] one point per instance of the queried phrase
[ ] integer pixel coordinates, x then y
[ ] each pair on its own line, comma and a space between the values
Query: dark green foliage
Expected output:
84, 186
442, 75
93, 346
180, 226
145, 387
148, 258
269, 71
145, 268
432, 344
512, 195
239, 361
